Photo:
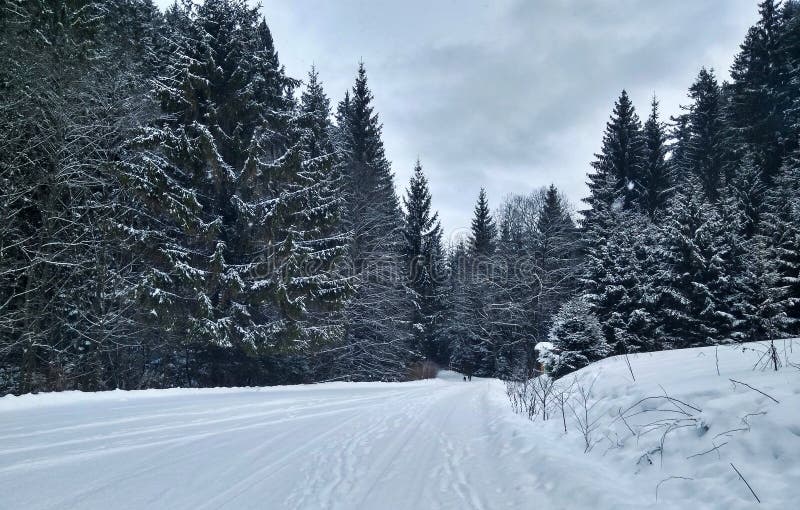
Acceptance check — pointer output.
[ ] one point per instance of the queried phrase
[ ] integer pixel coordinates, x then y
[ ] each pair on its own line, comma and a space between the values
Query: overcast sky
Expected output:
510, 95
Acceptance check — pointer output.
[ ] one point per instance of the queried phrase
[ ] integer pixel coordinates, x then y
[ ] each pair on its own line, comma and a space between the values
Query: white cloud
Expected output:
510, 95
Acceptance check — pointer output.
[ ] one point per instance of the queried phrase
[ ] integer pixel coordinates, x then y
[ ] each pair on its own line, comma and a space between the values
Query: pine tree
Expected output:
70, 90
577, 335
483, 236
705, 156
781, 227
657, 182
377, 343
613, 190
699, 254
424, 265
556, 248
762, 77
240, 210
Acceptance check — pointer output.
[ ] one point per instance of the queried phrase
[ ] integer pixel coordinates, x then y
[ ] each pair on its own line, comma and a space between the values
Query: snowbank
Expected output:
677, 434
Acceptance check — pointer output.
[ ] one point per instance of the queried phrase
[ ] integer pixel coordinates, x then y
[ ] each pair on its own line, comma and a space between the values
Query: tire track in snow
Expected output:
353, 454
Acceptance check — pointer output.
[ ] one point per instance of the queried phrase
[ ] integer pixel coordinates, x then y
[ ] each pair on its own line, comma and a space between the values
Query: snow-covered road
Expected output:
426, 445
422, 445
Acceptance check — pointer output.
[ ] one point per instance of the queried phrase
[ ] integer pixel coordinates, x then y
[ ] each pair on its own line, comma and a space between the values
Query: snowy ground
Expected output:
671, 439
441, 444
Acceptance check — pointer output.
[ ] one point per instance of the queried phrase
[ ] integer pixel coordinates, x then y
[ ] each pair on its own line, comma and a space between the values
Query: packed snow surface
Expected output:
437, 444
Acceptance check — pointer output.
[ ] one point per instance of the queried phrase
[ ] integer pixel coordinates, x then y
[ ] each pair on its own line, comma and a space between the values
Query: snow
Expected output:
435, 444
758, 436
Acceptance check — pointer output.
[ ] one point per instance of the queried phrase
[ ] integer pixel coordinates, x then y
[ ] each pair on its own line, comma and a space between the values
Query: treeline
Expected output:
177, 211
692, 235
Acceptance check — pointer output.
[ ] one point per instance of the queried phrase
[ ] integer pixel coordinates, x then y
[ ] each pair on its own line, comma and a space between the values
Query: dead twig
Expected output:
628, 361
743, 429
745, 482
668, 479
626, 423
672, 399
716, 448
734, 381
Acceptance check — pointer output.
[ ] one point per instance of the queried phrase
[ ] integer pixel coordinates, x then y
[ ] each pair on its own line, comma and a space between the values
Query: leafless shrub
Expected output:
581, 406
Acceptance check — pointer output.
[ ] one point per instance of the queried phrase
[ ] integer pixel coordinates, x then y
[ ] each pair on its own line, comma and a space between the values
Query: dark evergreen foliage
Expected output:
658, 181
577, 336
484, 230
705, 156
425, 272
176, 210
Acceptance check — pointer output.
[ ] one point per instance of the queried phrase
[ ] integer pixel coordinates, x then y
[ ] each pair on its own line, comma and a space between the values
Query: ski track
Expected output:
423, 445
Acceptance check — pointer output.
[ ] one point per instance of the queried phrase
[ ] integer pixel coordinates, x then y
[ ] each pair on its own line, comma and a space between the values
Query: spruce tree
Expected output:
71, 88
483, 234
657, 182
377, 343
314, 216
789, 95
424, 266
759, 309
556, 246
481, 288
705, 156
762, 81
461, 328
619, 165
239, 212
613, 189
699, 257
577, 336
679, 135
781, 228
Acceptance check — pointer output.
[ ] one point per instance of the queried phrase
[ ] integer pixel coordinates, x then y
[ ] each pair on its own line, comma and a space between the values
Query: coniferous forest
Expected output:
178, 211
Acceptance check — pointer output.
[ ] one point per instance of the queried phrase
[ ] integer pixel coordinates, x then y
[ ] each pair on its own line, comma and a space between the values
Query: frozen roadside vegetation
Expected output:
710, 427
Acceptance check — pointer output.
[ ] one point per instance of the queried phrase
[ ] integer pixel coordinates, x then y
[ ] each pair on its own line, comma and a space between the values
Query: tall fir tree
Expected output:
781, 228
377, 343
236, 217
422, 249
483, 235
760, 91
613, 190
697, 258
657, 182
705, 156
557, 250
72, 79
